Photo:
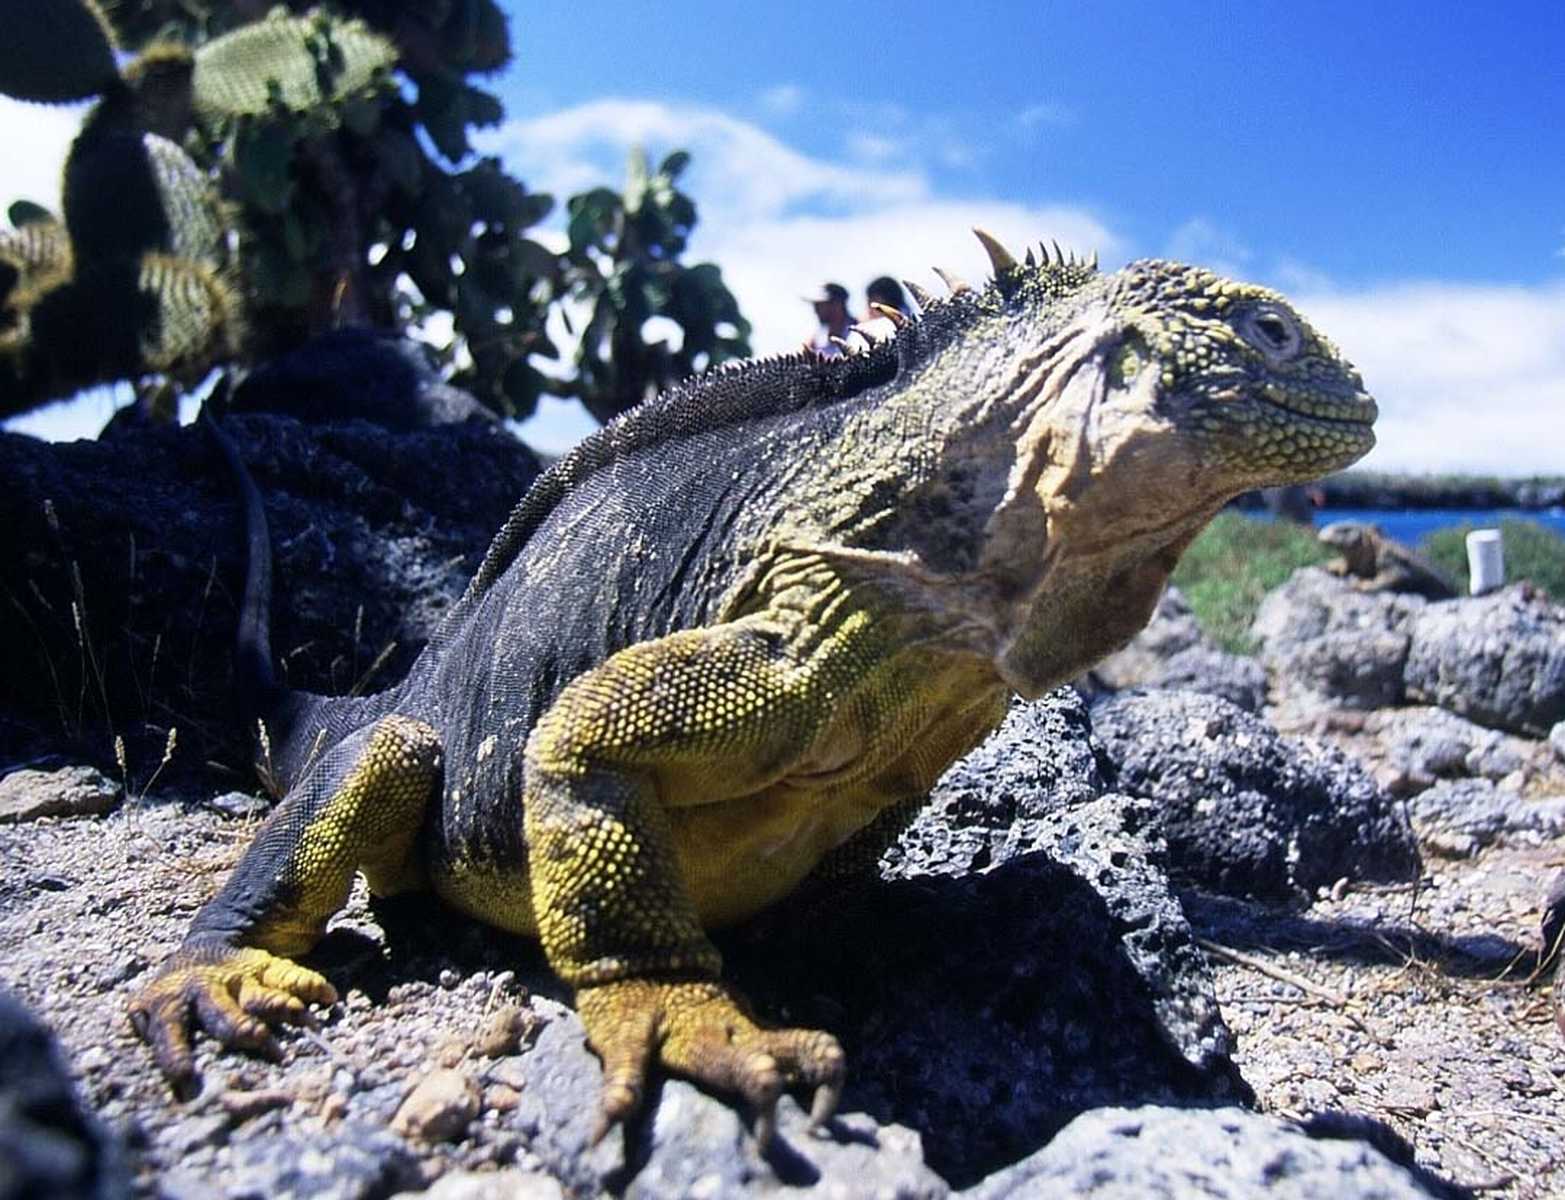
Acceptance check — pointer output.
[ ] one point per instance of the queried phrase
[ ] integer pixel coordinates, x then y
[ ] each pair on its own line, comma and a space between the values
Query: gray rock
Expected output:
193, 1133
1557, 740
1153, 1153
490, 1185
695, 1145
374, 533
358, 373
1245, 810
1325, 640
50, 1144
1314, 602
1353, 668
1236, 678
69, 792
350, 1161
1461, 817
1427, 744
1043, 758
1497, 659
241, 805
989, 1009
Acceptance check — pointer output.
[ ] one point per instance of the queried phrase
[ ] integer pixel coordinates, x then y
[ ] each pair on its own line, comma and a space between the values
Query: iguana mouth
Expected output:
1359, 408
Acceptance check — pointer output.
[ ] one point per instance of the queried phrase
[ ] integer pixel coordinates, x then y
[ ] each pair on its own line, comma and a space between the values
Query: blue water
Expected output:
1410, 525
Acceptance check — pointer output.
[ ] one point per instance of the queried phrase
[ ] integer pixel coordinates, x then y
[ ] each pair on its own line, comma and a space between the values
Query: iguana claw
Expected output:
234, 994
702, 1030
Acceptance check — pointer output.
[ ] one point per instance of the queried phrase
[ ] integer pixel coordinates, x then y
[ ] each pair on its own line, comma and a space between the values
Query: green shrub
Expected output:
1532, 552
1233, 564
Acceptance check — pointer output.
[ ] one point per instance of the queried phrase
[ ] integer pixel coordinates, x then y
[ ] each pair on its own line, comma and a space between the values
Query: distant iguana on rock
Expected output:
1377, 564
730, 642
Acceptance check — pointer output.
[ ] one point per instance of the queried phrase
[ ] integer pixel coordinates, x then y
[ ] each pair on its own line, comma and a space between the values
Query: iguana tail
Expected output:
295, 724
255, 677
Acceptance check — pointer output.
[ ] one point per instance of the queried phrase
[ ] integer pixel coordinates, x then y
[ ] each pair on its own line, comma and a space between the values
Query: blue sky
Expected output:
1366, 140
1398, 169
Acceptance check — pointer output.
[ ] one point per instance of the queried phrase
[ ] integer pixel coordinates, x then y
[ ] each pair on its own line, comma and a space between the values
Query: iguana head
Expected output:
1268, 400
1108, 417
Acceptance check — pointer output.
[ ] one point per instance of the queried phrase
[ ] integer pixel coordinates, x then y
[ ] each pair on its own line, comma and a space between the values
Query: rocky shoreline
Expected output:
1255, 925
1366, 489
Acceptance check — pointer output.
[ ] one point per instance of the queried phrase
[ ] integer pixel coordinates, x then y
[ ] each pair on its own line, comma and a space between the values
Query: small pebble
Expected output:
501, 1098
439, 1108
505, 1030
242, 1106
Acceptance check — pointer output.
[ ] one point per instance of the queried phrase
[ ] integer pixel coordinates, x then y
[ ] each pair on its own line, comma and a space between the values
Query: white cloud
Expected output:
36, 138
740, 170
779, 221
1202, 241
874, 148
80, 418
772, 263
784, 100
1469, 377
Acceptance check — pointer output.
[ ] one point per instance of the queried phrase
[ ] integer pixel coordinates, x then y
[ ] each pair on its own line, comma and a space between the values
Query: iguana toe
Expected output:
235, 995
703, 1031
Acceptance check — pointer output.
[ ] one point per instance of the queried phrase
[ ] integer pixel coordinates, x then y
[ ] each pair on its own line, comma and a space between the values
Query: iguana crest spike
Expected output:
953, 281
895, 315
1000, 258
1059, 255
868, 335
920, 295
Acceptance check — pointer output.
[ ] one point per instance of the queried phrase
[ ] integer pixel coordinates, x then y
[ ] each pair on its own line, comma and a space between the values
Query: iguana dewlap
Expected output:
731, 641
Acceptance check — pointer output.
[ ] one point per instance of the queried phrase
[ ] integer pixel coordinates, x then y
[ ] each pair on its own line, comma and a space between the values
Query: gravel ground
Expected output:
1408, 1005
1412, 1006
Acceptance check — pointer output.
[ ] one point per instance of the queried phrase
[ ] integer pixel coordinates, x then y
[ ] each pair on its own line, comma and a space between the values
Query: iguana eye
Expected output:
1270, 330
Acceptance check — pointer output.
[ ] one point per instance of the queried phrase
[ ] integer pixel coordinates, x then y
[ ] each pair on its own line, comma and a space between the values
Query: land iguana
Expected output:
729, 643
1375, 563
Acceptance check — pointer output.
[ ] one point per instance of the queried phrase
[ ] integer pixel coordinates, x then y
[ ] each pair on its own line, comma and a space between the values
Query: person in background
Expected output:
831, 311
886, 290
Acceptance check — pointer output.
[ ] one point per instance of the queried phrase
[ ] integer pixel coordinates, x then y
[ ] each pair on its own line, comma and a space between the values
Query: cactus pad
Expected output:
127, 193
297, 62
55, 51
198, 314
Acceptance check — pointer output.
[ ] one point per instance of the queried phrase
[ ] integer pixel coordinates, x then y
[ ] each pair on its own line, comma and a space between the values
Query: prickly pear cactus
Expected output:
130, 317
133, 281
38, 250
295, 63
55, 51
130, 192
249, 181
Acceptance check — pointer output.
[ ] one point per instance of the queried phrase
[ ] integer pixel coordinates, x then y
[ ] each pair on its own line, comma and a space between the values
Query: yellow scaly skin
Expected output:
1001, 511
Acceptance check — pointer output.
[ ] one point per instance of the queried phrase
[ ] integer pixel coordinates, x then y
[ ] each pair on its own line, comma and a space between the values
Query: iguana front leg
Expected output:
699, 716
359, 809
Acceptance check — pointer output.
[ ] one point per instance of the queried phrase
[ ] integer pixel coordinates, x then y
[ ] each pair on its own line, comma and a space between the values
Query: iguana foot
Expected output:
234, 994
702, 1030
